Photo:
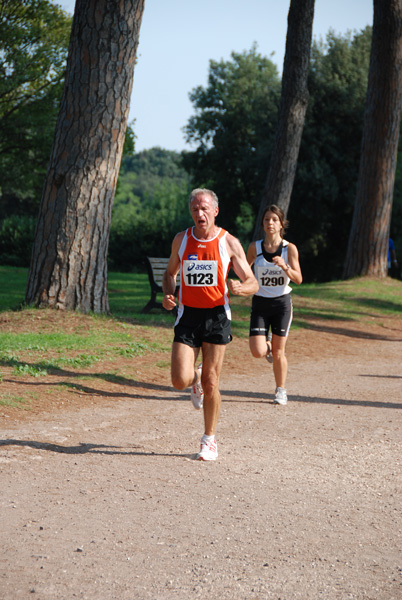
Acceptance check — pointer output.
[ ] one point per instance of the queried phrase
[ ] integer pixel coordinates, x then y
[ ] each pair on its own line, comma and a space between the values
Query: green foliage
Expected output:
151, 206
34, 36
144, 172
234, 129
16, 237
129, 140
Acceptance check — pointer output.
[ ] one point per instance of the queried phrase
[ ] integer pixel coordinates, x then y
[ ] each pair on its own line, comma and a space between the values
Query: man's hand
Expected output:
248, 284
235, 287
168, 302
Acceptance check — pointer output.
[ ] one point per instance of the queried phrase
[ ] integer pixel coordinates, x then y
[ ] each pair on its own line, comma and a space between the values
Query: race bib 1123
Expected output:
200, 273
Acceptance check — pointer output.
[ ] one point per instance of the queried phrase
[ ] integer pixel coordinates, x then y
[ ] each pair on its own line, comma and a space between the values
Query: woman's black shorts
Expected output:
274, 313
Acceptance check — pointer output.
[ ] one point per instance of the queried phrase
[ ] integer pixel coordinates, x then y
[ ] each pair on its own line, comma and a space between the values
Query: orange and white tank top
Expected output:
204, 268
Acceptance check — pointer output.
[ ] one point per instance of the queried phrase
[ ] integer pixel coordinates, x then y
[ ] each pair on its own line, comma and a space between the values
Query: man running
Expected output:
203, 254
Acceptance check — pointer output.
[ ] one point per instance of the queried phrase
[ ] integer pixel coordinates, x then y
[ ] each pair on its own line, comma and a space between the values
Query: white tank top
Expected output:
272, 280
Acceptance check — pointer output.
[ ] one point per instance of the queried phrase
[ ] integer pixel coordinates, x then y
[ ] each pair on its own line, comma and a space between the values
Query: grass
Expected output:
39, 343
31, 370
13, 401
42, 342
129, 292
360, 299
12, 287
355, 300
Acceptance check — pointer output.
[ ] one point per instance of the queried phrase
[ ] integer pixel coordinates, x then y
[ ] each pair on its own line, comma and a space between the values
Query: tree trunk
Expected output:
69, 258
368, 240
292, 109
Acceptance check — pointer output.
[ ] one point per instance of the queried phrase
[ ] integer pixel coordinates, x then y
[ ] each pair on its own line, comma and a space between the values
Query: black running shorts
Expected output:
274, 313
198, 325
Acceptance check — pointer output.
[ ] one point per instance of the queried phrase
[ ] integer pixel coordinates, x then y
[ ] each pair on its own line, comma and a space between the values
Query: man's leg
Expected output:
182, 366
212, 361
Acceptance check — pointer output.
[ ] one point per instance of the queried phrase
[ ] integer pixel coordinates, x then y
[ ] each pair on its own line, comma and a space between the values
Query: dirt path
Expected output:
103, 500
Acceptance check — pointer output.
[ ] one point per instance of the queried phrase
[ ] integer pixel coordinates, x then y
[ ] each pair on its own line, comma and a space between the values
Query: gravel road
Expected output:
105, 501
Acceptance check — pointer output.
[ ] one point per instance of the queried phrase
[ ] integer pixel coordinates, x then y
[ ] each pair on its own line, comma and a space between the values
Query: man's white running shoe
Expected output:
197, 393
208, 451
280, 396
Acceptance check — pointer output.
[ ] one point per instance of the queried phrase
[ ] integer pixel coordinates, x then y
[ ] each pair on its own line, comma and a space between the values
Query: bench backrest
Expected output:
158, 267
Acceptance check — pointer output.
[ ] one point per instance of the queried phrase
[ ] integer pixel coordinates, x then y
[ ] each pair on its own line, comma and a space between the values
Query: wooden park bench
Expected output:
156, 268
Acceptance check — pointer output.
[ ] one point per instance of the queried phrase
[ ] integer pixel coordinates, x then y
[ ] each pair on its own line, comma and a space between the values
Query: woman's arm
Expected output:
292, 267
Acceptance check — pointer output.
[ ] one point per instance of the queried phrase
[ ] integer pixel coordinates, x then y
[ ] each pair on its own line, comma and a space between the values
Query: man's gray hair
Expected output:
210, 193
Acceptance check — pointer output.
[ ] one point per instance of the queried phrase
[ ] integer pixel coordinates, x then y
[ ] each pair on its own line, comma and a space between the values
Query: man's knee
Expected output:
209, 382
179, 382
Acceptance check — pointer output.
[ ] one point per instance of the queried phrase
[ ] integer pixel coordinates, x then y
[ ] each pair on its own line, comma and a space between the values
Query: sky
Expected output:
178, 38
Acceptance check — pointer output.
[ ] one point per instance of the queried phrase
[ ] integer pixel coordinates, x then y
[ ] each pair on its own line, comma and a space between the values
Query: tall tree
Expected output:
69, 259
324, 191
292, 109
369, 234
234, 129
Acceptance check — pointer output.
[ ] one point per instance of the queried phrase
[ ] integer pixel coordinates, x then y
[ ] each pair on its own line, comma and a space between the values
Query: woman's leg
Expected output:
280, 360
258, 346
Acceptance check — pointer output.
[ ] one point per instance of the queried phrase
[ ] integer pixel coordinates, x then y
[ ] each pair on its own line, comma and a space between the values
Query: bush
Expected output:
146, 227
16, 238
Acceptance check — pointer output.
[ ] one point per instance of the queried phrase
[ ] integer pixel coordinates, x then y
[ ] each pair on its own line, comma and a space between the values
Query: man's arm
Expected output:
248, 284
169, 276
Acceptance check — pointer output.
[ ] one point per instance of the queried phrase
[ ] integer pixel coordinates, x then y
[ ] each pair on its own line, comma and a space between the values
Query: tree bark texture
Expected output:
69, 259
369, 235
292, 110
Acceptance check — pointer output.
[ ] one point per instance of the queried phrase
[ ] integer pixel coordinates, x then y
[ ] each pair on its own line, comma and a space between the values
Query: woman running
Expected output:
276, 264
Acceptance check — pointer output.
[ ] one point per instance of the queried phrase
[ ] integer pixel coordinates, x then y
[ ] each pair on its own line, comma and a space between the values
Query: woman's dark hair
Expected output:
273, 208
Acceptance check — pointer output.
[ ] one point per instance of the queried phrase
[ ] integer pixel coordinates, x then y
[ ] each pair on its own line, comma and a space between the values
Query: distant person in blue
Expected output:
393, 266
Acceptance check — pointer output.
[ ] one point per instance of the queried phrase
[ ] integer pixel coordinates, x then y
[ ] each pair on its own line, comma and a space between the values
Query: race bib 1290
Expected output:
270, 276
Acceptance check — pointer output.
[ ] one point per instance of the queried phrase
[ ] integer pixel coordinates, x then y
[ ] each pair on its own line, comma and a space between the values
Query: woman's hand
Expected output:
279, 262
